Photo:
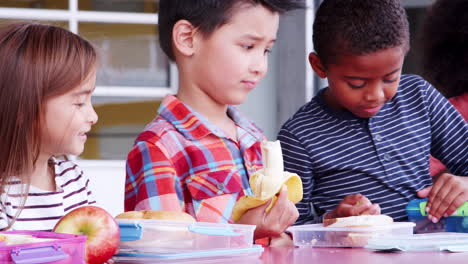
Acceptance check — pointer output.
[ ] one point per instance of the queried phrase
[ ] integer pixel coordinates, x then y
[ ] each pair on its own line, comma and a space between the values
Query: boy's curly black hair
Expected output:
358, 27
445, 47
208, 15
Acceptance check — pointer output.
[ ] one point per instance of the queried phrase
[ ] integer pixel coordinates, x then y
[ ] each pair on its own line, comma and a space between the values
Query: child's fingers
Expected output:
424, 192
282, 197
352, 205
360, 209
283, 214
354, 199
280, 205
441, 201
439, 184
454, 198
444, 198
374, 209
457, 202
292, 214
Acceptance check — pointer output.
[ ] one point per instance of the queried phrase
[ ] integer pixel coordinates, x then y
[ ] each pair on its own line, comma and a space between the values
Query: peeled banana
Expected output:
267, 182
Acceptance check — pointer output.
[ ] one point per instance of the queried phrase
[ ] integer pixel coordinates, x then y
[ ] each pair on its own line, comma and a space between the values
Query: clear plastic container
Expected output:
170, 237
453, 242
316, 235
63, 249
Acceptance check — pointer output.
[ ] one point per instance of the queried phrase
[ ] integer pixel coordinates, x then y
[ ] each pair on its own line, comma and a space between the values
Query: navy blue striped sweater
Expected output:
385, 157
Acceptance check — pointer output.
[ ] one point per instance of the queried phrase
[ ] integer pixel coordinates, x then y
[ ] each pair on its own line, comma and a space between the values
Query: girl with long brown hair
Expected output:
47, 75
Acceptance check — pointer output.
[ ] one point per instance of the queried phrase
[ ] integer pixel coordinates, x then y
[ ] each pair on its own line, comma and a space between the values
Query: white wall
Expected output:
261, 104
107, 183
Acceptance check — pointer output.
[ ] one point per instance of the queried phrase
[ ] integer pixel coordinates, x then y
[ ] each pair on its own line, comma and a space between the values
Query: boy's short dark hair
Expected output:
445, 47
207, 15
358, 27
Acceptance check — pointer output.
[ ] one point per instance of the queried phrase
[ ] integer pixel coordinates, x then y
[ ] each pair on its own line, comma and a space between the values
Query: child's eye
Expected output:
390, 81
79, 105
356, 86
247, 47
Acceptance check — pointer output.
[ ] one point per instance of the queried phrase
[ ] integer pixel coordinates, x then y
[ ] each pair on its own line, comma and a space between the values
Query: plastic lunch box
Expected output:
148, 240
457, 222
316, 235
65, 249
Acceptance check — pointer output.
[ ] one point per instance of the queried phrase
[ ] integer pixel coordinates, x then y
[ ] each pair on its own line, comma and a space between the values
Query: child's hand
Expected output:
272, 224
352, 205
284, 240
444, 197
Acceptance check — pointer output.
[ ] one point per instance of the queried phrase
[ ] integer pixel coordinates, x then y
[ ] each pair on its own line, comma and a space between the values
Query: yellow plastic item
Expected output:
266, 183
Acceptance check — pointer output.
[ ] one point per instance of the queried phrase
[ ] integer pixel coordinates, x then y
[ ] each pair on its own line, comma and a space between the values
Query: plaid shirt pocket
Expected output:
215, 183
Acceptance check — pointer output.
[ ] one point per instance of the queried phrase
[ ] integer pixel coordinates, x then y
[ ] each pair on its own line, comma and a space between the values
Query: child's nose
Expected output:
259, 65
93, 117
375, 92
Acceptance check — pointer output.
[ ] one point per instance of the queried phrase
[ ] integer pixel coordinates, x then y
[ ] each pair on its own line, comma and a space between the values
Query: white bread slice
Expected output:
15, 239
358, 221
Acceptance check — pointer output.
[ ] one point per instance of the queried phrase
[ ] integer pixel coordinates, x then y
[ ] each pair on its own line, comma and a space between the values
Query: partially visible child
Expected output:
47, 75
197, 154
445, 56
362, 144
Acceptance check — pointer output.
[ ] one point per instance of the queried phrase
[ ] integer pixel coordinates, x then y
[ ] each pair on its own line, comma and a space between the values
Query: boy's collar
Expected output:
195, 126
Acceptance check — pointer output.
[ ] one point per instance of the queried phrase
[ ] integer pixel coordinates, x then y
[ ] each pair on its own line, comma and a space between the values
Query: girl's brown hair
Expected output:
37, 62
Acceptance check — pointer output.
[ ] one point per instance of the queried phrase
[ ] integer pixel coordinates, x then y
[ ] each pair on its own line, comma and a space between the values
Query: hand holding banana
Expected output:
267, 182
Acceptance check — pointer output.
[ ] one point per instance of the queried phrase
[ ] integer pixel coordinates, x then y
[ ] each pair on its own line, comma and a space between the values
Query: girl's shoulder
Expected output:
63, 164
67, 170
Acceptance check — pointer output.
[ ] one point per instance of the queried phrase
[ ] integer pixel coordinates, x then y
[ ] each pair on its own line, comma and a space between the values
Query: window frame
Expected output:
74, 16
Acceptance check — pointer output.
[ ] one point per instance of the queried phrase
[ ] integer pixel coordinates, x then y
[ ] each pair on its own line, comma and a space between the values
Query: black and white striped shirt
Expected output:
44, 208
384, 157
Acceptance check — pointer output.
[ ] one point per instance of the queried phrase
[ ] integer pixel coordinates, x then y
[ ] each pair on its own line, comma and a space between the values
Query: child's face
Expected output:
363, 84
234, 58
68, 118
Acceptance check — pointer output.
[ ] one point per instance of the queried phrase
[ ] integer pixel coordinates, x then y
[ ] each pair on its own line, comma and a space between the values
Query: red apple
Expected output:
100, 227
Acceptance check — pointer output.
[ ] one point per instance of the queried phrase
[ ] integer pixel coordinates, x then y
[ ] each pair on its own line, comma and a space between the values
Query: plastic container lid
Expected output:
452, 242
130, 256
320, 227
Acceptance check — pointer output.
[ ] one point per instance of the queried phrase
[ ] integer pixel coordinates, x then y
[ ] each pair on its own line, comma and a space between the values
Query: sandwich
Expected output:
354, 238
359, 221
155, 234
16, 239
157, 215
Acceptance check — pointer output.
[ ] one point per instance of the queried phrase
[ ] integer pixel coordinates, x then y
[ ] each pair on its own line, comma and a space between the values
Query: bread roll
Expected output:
157, 215
352, 238
359, 221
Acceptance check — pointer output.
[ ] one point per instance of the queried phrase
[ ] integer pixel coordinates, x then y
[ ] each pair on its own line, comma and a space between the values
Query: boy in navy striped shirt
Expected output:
362, 145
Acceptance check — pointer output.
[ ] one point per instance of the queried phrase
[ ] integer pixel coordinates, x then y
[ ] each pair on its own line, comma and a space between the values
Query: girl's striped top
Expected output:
44, 208
384, 157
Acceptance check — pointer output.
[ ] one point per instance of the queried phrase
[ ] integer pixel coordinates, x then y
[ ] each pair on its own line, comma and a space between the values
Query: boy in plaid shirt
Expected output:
197, 154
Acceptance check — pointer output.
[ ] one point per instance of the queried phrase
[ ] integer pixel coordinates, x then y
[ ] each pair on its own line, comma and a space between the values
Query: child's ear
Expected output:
183, 35
317, 65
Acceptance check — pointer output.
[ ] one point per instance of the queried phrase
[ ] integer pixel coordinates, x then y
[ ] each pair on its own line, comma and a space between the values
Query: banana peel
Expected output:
290, 180
267, 182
